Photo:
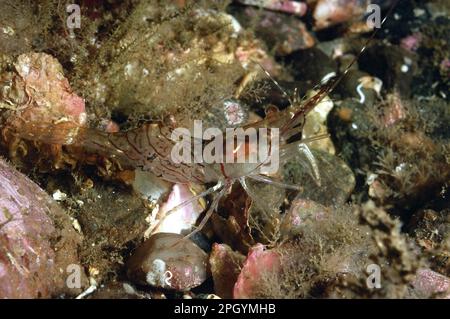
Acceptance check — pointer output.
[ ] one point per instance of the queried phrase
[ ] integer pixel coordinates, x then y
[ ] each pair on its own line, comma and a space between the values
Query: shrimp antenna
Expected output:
332, 82
275, 82
367, 42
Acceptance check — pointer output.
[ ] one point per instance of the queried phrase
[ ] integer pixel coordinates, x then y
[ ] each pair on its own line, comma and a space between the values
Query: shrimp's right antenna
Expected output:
331, 84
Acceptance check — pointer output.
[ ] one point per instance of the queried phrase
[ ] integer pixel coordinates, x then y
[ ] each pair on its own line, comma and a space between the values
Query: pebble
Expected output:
163, 261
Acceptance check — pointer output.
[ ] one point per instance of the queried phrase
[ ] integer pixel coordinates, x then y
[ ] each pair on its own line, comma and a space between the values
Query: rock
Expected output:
118, 290
438, 9
225, 268
149, 186
38, 104
331, 246
331, 12
291, 7
361, 87
282, 34
392, 148
394, 65
259, 263
182, 220
316, 124
163, 197
172, 63
20, 29
37, 241
429, 283
336, 178
350, 121
160, 263
311, 65
38, 92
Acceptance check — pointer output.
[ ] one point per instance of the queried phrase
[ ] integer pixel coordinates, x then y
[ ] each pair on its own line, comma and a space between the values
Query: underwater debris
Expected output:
160, 263
37, 241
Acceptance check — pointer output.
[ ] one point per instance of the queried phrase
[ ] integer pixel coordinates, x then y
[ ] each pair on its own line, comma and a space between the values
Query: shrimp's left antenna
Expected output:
275, 82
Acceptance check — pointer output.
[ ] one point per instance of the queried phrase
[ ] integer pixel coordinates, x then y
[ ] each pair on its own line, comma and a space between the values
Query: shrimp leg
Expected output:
271, 181
254, 198
205, 219
301, 147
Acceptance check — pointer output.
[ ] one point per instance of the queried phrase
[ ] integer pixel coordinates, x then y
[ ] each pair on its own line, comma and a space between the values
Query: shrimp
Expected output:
149, 147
